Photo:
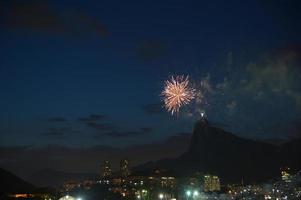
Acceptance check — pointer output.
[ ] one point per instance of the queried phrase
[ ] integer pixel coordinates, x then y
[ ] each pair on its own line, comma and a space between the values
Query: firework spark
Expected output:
177, 93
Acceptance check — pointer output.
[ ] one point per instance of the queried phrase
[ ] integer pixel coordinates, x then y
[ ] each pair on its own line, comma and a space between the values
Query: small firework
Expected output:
177, 93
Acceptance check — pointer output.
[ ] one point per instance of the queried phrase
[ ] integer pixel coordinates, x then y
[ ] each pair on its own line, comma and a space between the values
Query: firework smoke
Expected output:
177, 93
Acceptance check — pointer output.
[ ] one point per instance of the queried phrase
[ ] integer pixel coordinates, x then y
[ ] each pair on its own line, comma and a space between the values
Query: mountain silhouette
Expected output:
9, 183
54, 178
232, 158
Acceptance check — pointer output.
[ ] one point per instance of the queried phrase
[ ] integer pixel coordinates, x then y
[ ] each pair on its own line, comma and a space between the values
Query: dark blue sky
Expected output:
85, 73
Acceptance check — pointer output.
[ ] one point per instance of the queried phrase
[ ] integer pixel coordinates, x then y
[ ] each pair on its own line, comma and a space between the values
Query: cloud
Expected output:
57, 119
231, 105
294, 129
97, 117
152, 109
33, 15
151, 49
13, 150
58, 133
256, 96
101, 126
92, 118
147, 129
108, 129
44, 17
89, 24
121, 134
55, 133
92, 121
277, 75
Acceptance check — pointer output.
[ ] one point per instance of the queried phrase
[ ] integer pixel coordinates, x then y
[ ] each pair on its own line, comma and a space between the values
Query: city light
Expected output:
208, 189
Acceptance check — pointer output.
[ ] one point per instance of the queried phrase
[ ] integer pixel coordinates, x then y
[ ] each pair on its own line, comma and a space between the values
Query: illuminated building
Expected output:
285, 175
67, 197
142, 194
87, 184
193, 181
124, 168
117, 181
30, 196
106, 169
211, 183
169, 182
70, 185
21, 195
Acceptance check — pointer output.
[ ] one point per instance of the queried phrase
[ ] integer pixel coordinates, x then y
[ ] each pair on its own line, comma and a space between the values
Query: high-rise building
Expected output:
285, 174
211, 183
106, 169
124, 168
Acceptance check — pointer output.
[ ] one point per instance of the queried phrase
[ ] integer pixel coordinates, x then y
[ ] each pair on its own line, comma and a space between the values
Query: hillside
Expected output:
213, 150
9, 183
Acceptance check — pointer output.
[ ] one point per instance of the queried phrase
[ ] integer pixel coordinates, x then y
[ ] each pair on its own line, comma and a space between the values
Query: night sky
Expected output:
80, 79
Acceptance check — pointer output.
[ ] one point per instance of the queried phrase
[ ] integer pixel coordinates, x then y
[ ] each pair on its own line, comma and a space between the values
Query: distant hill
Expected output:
9, 183
50, 178
275, 141
213, 150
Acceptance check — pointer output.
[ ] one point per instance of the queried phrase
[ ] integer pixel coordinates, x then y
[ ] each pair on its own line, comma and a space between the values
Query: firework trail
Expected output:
177, 93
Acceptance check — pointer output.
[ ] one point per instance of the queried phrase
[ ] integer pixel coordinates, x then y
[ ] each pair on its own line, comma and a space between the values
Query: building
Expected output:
88, 184
106, 169
124, 168
67, 197
168, 182
285, 174
70, 185
211, 183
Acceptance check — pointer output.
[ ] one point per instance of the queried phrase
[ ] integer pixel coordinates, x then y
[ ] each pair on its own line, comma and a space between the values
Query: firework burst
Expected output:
177, 92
